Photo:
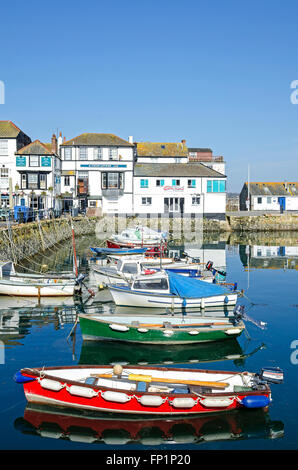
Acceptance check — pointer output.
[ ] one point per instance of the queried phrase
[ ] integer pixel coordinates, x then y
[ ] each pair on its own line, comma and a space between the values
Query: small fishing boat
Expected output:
117, 251
158, 330
143, 237
126, 268
37, 285
147, 390
167, 289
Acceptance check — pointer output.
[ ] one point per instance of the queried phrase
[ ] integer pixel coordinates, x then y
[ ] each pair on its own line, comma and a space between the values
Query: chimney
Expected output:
183, 141
130, 139
54, 144
59, 140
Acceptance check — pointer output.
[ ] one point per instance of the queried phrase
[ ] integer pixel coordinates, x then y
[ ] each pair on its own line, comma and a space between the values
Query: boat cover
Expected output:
110, 251
187, 287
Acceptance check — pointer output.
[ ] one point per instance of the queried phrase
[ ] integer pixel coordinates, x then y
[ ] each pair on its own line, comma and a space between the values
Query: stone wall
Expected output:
263, 223
24, 240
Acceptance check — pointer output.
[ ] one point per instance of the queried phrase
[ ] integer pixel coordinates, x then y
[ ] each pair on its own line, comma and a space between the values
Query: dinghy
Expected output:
158, 330
117, 251
37, 285
146, 390
167, 289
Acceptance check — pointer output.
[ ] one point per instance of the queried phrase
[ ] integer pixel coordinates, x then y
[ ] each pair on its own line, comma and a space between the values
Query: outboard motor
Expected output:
272, 375
209, 265
80, 278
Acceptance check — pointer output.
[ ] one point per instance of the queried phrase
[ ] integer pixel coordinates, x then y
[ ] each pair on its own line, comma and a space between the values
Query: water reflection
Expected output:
75, 426
269, 256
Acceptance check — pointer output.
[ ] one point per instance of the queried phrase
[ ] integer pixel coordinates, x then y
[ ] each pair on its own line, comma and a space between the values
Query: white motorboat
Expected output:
169, 290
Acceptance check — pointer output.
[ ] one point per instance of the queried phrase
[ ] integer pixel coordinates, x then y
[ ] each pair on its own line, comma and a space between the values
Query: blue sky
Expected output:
215, 73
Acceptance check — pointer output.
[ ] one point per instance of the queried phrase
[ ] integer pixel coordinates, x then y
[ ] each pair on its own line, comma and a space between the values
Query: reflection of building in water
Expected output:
212, 251
271, 257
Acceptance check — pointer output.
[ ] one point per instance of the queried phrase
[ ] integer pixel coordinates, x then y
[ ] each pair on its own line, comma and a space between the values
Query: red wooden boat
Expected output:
147, 390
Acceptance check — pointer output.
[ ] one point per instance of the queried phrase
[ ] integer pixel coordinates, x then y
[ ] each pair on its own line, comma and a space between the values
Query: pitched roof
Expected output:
8, 129
175, 169
273, 189
161, 149
36, 148
98, 139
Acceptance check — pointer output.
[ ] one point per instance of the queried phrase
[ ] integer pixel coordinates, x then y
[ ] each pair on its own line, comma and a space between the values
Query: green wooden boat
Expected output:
158, 330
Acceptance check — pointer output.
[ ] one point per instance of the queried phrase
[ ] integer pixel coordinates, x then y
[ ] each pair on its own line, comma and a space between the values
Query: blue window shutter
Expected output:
209, 186
162, 182
173, 182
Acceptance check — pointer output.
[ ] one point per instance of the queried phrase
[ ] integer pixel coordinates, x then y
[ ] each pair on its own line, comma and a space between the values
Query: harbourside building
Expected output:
97, 172
179, 188
38, 176
12, 139
271, 196
161, 152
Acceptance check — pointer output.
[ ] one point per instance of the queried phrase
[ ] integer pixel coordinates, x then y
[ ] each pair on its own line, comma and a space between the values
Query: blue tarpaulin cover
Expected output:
114, 251
186, 287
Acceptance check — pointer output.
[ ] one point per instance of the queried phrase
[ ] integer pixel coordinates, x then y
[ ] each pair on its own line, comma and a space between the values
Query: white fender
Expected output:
116, 327
143, 330
151, 400
183, 402
49, 384
82, 391
216, 402
193, 332
233, 331
118, 397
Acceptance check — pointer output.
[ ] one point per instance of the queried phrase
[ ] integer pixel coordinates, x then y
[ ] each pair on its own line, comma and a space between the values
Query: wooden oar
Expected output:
149, 378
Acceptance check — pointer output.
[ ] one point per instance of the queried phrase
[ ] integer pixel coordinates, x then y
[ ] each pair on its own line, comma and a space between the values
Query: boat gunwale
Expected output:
39, 370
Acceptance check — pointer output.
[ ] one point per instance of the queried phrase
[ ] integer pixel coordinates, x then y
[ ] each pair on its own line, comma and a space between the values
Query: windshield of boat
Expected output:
151, 284
130, 268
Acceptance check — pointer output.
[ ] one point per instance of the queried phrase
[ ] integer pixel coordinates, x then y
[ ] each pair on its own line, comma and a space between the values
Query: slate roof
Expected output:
36, 148
273, 189
98, 140
175, 169
8, 129
161, 149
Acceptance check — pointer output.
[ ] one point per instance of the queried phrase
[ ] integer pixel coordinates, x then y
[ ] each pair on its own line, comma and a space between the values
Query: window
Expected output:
67, 153
112, 180
259, 200
195, 201
33, 160
23, 181
32, 180
3, 147
4, 181
175, 182
191, 183
268, 200
160, 182
97, 153
146, 201
42, 181
216, 186
66, 180
92, 203
130, 268
113, 153
144, 183
83, 153
177, 160
151, 284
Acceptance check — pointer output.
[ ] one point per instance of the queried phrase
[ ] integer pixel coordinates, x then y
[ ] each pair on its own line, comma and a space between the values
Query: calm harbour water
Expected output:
36, 335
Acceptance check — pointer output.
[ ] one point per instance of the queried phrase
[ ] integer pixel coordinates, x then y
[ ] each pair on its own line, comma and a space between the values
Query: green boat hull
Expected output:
93, 329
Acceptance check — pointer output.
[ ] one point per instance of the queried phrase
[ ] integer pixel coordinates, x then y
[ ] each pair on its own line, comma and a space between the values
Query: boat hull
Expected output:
70, 391
197, 331
38, 290
129, 298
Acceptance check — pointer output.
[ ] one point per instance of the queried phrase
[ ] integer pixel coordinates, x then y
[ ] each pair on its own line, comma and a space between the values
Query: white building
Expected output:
97, 172
263, 196
185, 188
12, 139
38, 176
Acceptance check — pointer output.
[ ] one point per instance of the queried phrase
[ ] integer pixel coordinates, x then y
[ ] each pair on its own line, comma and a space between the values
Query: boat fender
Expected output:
118, 397
82, 391
49, 384
143, 330
19, 378
115, 327
151, 400
168, 332
216, 402
226, 299
255, 401
183, 402
193, 332
203, 303
233, 331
